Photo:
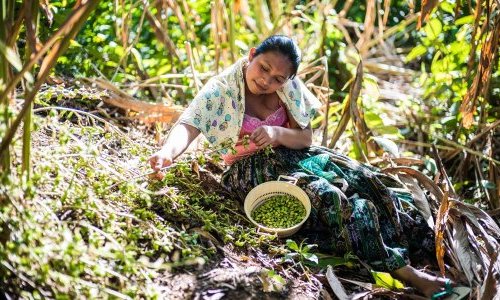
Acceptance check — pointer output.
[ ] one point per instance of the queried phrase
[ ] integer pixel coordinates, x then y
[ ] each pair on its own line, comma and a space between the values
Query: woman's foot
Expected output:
427, 284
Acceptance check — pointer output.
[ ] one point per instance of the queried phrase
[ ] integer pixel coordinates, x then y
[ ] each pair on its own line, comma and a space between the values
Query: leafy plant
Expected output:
271, 281
300, 253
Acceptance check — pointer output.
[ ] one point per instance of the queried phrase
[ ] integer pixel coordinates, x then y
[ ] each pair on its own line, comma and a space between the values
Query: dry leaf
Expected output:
349, 105
335, 284
483, 75
439, 231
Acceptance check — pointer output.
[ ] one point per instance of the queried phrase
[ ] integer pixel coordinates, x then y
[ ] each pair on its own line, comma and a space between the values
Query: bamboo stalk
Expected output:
232, 45
197, 83
261, 17
31, 22
6, 14
326, 101
215, 33
223, 24
276, 10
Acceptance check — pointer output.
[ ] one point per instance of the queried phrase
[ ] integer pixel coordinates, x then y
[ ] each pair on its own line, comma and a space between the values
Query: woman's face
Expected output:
267, 72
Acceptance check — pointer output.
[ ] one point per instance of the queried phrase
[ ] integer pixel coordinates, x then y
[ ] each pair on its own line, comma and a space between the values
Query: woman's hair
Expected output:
285, 46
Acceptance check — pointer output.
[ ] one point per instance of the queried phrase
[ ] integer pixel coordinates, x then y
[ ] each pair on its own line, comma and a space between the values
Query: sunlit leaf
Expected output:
418, 51
488, 184
386, 280
15, 61
328, 260
138, 58
449, 120
465, 20
386, 144
74, 43
292, 245
371, 87
11, 56
373, 119
433, 29
447, 7
393, 131
311, 257
430, 164
242, 45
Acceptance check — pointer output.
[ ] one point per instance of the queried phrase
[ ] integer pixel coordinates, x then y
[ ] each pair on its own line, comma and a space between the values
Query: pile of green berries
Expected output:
281, 211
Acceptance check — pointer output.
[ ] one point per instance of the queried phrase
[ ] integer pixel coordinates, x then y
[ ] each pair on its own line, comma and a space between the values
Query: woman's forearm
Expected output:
179, 138
294, 138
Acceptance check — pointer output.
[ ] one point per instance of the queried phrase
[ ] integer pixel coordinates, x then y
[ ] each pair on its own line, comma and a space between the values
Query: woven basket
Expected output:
259, 195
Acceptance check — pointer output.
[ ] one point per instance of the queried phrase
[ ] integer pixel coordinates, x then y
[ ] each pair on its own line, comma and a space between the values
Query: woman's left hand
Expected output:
264, 136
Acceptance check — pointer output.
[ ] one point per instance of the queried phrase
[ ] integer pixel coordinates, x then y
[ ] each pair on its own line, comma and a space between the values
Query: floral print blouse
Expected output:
218, 109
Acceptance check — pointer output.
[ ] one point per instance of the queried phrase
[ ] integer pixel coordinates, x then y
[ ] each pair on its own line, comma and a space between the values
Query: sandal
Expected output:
451, 293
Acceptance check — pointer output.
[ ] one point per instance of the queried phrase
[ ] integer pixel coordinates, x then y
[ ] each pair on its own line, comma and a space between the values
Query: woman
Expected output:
353, 210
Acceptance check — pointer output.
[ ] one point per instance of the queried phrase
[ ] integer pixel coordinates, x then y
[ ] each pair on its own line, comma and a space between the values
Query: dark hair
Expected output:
285, 46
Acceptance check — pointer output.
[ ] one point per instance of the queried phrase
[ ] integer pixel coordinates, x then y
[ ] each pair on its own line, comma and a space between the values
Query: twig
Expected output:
83, 113
442, 170
473, 140
139, 176
469, 150
190, 58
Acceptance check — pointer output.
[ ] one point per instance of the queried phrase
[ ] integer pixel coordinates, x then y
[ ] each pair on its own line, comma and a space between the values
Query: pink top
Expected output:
277, 118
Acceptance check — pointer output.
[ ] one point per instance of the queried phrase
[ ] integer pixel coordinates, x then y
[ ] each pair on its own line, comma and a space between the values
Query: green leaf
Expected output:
311, 257
242, 45
416, 52
278, 278
451, 120
465, 20
488, 184
387, 130
388, 145
11, 56
328, 260
370, 86
138, 58
433, 29
119, 51
430, 164
292, 245
306, 248
373, 119
14, 60
447, 7
74, 44
384, 279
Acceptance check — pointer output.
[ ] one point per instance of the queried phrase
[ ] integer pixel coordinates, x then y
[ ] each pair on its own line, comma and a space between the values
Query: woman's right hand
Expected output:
158, 161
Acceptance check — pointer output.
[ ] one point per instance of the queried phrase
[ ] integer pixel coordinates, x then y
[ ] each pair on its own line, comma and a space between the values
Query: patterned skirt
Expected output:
353, 210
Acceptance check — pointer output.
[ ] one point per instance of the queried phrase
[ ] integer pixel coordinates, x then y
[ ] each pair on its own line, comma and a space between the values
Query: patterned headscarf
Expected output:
218, 109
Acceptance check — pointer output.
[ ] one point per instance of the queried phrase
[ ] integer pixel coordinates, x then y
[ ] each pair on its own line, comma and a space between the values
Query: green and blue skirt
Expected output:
353, 210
